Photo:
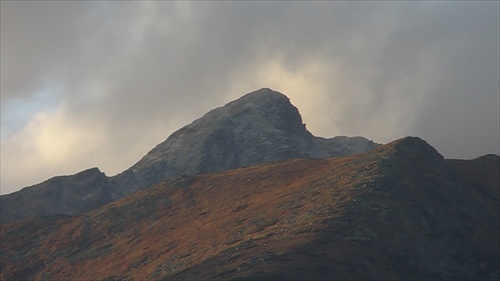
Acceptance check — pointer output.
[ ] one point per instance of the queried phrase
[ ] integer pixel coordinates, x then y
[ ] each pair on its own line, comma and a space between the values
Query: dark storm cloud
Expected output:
129, 73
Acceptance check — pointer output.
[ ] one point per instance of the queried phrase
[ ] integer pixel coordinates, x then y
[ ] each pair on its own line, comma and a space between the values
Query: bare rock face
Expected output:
260, 127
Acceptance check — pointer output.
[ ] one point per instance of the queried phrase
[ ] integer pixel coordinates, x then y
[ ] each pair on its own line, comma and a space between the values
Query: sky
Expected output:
99, 84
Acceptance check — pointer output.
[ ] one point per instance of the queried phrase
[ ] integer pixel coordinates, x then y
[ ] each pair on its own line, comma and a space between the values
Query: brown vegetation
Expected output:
398, 212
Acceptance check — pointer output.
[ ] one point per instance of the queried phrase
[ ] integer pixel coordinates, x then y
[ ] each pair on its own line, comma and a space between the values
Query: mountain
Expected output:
400, 211
260, 127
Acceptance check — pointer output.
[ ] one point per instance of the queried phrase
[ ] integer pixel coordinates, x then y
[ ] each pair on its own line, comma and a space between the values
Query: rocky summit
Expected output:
398, 212
260, 127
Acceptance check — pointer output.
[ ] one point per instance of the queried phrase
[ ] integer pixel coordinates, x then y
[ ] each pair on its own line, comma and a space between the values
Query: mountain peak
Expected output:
262, 97
231, 136
266, 105
406, 155
263, 92
259, 127
412, 147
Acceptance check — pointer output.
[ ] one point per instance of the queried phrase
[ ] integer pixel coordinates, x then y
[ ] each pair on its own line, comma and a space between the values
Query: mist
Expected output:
88, 83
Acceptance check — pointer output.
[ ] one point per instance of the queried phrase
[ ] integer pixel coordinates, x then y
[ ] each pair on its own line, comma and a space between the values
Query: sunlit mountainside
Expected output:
398, 212
246, 192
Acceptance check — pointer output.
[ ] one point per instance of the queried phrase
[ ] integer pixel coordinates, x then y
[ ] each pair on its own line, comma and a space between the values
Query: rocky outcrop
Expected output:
260, 127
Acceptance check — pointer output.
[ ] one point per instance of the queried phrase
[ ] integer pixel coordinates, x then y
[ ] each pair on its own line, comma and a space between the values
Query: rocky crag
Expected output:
260, 127
398, 212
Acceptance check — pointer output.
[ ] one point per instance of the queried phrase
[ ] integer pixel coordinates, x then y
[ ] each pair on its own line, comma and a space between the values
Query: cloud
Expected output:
52, 143
133, 72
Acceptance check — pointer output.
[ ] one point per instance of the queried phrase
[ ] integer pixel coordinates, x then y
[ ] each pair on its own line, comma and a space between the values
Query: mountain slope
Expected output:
56, 195
260, 127
398, 212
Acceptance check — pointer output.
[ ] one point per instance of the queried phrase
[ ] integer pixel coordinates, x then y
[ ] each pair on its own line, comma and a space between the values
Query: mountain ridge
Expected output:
260, 127
386, 214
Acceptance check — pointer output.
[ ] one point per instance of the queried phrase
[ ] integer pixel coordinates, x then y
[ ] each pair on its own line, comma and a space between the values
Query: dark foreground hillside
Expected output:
398, 212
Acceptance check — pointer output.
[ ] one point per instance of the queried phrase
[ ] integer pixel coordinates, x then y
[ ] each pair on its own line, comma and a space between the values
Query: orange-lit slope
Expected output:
400, 211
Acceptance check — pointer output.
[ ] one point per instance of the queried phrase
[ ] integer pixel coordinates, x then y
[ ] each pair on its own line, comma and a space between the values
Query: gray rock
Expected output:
262, 126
